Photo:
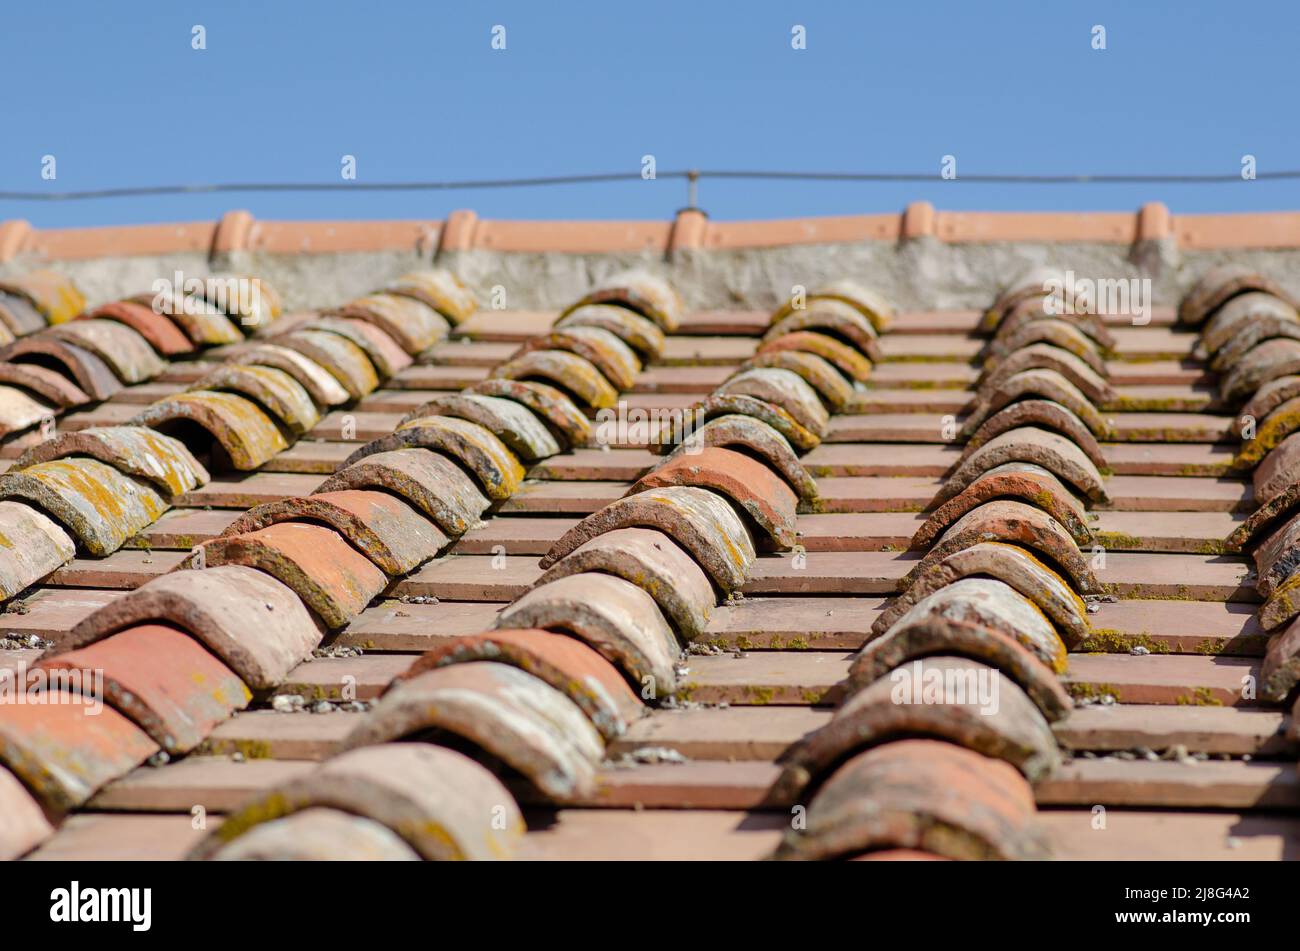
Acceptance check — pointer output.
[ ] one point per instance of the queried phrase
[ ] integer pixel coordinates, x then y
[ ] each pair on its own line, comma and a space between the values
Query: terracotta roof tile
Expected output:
848, 417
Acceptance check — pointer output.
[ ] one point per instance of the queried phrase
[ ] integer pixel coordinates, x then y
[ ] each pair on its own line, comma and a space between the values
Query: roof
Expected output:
853, 537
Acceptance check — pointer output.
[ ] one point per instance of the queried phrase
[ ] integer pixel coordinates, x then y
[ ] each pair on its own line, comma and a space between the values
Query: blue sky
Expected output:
414, 90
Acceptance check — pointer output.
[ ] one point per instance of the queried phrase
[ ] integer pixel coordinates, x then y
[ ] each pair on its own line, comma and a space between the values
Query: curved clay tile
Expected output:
1219, 285
62, 755
475, 447
344, 360
784, 389
639, 291
1045, 356
987, 602
19, 410
757, 438
1266, 399
31, 546
1275, 506
1032, 311
552, 406
250, 301
1277, 558
1280, 423
1280, 671
700, 521
519, 719
1040, 414
568, 371
835, 391
26, 825
1278, 470
754, 487
330, 576
125, 351
54, 296
318, 835
161, 332
726, 404
1017, 524
17, 318
1012, 566
563, 662
1042, 384
200, 321
653, 562
273, 390
89, 372
439, 289
412, 323
640, 333
49, 385
613, 616
921, 635
431, 797
834, 319
1039, 447
243, 429
1023, 481
1031, 285
428, 480
604, 350
1282, 605
311, 376
844, 358
161, 679
1053, 331
1243, 322
926, 795
513, 423
384, 352
862, 299
1010, 728
255, 624
134, 450
1266, 362
100, 506
384, 528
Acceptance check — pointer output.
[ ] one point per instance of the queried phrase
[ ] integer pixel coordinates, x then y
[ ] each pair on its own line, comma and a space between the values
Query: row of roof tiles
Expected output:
102, 486
604, 627
464, 230
332, 578
974, 800
999, 595
1250, 333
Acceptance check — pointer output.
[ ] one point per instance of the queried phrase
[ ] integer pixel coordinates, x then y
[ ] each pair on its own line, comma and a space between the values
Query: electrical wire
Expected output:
693, 175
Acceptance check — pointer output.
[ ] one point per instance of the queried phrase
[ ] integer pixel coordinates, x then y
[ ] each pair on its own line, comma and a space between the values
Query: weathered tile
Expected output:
162, 680
331, 577
512, 715
563, 662
255, 624
614, 616
441, 803
134, 450
243, 429
99, 505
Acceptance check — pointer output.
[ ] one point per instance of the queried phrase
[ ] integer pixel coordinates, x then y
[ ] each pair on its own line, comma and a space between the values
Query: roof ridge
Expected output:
464, 230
